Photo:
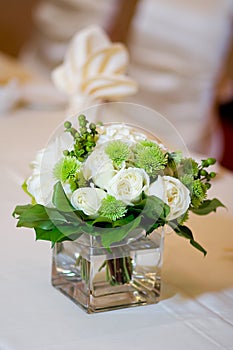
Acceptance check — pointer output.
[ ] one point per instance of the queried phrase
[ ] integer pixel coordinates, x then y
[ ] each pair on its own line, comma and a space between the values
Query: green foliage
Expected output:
49, 224
118, 152
185, 232
149, 157
65, 223
189, 167
112, 208
117, 234
208, 206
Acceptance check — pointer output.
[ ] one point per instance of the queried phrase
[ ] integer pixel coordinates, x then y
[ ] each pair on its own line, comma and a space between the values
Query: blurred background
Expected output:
181, 55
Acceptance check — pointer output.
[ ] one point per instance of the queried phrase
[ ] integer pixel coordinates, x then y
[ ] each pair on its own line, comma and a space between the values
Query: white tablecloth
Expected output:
196, 310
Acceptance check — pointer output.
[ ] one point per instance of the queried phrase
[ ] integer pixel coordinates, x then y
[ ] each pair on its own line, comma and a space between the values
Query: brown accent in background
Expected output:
15, 24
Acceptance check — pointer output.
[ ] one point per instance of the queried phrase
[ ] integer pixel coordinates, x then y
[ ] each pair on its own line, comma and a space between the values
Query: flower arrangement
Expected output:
111, 180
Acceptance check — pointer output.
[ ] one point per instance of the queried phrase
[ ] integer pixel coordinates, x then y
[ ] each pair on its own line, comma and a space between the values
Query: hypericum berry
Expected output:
66, 152
67, 125
212, 174
211, 161
92, 126
203, 172
90, 138
83, 123
81, 118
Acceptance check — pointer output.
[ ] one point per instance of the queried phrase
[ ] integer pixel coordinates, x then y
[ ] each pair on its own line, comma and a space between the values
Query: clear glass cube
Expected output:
100, 280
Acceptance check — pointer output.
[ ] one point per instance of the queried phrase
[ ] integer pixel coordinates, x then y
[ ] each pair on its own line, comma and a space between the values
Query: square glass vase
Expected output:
100, 280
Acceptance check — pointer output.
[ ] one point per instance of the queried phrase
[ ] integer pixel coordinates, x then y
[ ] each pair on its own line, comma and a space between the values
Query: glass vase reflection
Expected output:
100, 280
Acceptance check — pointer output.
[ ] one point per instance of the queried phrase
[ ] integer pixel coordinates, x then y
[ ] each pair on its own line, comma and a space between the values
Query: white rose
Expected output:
88, 200
40, 184
128, 184
173, 193
119, 132
99, 167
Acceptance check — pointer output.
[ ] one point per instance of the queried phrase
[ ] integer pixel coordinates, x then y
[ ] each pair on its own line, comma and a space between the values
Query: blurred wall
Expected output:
15, 24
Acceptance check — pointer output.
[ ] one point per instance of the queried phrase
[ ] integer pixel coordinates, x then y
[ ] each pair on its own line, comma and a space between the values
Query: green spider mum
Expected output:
66, 169
112, 208
118, 152
150, 157
198, 193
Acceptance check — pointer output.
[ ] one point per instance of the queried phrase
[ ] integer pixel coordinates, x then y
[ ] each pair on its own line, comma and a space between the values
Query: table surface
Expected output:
196, 309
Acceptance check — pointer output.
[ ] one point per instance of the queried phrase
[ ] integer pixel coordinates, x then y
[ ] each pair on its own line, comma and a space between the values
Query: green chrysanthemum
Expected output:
198, 193
118, 152
66, 169
150, 157
112, 208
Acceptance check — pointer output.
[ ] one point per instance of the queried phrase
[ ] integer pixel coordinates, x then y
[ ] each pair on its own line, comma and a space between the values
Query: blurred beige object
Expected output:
10, 69
21, 86
93, 70
12, 76
9, 95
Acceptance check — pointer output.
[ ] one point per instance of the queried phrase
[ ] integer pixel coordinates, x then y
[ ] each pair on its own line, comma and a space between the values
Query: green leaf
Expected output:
60, 200
47, 219
31, 216
155, 208
53, 235
198, 246
20, 209
101, 219
208, 206
153, 227
45, 225
109, 236
185, 232
124, 221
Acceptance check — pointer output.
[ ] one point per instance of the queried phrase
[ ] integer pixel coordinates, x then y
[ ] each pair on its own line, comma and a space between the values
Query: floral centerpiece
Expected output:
111, 189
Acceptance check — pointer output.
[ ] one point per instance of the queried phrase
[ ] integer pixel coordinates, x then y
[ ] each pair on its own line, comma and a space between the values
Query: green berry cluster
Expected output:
196, 178
204, 174
84, 139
